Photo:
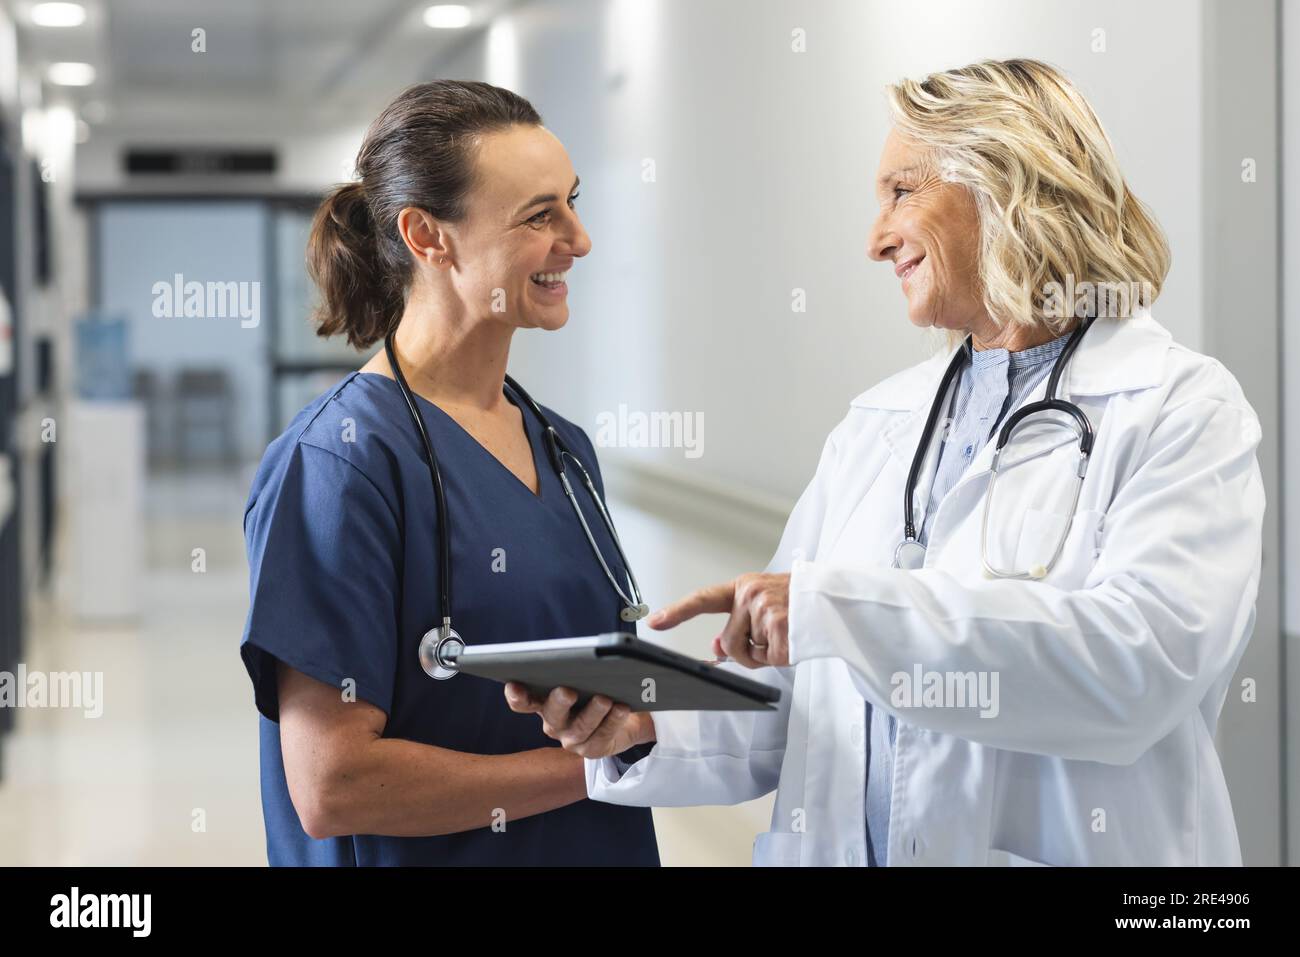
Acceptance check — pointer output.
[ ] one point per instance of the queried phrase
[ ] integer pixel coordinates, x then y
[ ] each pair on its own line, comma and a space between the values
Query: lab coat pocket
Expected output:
777, 849
1001, 858
1039, 535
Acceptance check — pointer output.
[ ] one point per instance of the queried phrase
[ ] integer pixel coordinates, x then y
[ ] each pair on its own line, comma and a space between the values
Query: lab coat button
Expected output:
851, 857
913, 847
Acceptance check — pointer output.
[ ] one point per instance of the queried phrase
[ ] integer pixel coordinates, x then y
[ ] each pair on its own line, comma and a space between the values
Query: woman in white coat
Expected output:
936, 713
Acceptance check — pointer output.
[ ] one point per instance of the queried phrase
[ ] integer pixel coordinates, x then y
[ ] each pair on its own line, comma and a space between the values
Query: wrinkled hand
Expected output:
600, 729
757, 631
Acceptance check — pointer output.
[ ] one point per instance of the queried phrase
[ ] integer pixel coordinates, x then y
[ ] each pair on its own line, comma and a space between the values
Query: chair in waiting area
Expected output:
205, 417
148, 389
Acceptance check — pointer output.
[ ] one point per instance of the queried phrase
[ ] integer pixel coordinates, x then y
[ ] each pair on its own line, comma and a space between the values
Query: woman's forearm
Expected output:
405, 789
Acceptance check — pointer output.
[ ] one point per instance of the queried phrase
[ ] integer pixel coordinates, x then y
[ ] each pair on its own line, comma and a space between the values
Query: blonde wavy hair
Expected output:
1058, 224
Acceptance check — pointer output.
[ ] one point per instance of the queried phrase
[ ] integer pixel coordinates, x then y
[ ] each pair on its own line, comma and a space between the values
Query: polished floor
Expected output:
168, 774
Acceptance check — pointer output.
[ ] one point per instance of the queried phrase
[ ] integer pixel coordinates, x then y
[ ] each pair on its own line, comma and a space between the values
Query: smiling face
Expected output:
929, 230
510, 253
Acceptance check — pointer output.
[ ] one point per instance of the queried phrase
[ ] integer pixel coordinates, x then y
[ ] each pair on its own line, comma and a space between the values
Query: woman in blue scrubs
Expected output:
460, 231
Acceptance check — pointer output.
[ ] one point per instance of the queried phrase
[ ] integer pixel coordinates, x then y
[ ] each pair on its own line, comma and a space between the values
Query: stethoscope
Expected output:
910, 553
440, 645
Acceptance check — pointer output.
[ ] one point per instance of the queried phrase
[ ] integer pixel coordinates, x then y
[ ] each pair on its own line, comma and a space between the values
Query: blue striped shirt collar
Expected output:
1026, 358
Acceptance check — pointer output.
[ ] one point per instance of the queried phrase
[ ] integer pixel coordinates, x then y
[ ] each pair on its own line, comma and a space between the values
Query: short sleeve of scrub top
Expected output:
341, 538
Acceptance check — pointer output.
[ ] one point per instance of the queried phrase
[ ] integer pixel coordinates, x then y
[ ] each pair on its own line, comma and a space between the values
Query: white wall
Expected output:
1242, 329
1290, 271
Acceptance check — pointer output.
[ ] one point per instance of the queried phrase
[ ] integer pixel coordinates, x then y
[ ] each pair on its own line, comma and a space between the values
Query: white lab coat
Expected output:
1112, 670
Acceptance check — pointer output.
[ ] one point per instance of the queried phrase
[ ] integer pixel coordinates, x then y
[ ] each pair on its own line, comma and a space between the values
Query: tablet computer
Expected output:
621, 667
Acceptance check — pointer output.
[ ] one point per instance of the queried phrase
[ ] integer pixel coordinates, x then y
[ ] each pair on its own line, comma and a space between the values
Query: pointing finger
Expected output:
711, 600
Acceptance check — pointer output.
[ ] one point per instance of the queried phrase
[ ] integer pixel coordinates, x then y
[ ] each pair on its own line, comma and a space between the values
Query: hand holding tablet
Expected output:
600, 729
594, 695
622, 668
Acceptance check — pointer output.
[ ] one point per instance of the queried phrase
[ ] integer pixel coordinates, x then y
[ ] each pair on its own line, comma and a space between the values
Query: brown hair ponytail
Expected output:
343, 261
419, 152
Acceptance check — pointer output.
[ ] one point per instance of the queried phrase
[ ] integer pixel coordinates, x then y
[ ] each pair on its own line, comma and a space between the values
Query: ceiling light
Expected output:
71, 74
58, 14
447, 16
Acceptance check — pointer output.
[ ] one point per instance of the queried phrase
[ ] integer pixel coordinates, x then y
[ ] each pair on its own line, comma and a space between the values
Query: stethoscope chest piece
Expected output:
909, 555
438, 652
634, 612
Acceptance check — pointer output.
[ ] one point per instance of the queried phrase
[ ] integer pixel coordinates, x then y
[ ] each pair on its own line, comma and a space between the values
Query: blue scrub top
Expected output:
340, 530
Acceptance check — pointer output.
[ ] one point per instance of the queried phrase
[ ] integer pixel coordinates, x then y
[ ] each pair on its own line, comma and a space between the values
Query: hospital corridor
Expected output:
523, 439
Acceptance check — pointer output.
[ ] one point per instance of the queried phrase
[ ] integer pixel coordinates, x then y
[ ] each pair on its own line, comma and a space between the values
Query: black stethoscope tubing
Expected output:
433, 646
1050, 404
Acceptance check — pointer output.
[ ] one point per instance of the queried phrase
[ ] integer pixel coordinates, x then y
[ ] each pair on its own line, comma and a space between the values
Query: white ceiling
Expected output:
270, 65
